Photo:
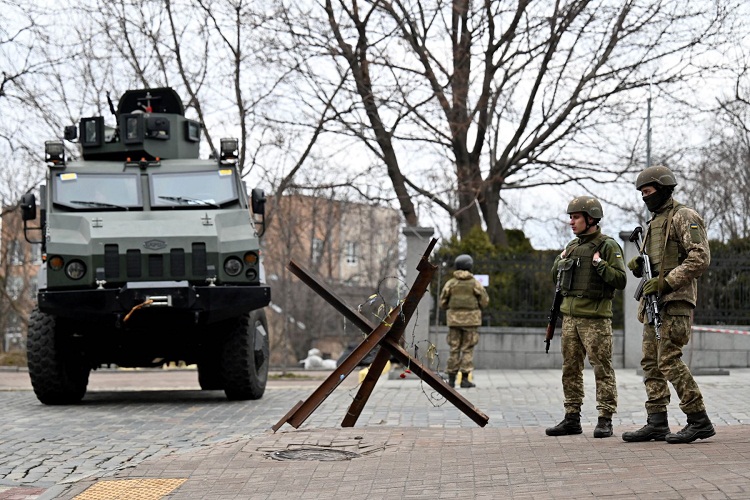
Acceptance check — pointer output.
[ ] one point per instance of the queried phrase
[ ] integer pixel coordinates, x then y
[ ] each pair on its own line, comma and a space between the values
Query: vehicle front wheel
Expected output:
245, 357
58, 373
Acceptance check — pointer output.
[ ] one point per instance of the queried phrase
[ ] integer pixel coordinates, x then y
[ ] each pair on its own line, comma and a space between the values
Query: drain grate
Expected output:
315, 454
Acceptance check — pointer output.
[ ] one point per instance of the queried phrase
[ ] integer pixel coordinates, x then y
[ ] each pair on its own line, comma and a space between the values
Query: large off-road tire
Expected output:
245, 357
58, 374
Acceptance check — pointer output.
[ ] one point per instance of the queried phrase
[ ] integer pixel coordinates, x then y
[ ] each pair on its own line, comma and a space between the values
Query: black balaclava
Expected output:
658, 198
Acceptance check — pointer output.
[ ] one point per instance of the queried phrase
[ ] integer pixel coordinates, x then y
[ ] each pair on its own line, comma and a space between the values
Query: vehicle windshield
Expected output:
193, 189
97, 191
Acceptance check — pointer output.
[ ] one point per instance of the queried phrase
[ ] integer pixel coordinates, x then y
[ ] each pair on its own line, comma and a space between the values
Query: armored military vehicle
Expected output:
150, 255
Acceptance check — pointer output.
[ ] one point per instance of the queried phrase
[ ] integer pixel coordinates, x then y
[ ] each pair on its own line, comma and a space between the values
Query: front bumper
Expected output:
204, 304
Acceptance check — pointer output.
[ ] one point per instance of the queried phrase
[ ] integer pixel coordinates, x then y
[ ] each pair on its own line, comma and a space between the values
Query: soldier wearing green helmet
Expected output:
464, 298
677, 246
588, 271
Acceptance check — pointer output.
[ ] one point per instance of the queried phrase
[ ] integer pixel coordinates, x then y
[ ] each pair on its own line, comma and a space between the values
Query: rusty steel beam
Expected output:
388, 335
417, 291
396, 318
340, 373
366, 388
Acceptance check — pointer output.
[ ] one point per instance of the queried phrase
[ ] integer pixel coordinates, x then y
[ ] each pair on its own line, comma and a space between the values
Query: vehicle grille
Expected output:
199, 259
133, 263
158, 266
111, 261
177, 262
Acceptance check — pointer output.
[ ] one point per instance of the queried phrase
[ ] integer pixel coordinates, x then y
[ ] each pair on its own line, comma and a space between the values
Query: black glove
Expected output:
636, 266
652, 286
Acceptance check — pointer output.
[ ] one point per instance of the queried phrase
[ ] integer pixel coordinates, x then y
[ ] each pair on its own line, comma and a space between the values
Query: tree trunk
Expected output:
490, 205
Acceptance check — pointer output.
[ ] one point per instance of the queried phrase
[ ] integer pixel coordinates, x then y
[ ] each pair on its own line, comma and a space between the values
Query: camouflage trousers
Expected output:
461, 340
662, 361
590, 337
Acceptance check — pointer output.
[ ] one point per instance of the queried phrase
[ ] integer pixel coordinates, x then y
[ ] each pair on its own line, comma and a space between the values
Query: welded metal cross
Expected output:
387, 335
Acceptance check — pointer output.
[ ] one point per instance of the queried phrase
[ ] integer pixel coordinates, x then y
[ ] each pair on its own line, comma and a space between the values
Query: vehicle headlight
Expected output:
233, 266
75, 269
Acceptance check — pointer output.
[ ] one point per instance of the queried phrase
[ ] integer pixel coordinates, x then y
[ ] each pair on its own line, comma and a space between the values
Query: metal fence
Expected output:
724, 290
521, 290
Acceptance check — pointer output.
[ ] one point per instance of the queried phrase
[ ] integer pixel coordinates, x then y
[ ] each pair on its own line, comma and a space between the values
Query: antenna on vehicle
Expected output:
111, 106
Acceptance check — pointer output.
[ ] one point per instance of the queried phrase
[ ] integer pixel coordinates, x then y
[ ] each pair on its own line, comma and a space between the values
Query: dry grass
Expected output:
12, 358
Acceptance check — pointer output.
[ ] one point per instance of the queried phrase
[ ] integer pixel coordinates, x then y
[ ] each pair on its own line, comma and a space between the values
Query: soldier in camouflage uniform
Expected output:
677, 246
464, 298
589, 271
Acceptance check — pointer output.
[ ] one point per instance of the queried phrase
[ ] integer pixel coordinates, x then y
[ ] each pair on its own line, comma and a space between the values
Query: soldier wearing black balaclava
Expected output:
677, 246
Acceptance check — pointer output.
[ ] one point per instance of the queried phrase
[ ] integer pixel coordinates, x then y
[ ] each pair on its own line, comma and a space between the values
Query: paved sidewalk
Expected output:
453, 463
404, 448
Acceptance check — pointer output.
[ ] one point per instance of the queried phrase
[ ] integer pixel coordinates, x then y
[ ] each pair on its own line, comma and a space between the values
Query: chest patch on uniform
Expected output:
695, 233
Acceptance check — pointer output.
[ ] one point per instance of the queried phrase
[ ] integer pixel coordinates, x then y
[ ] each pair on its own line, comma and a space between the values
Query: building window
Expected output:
317, 251
351, 249
15, 249
14, 286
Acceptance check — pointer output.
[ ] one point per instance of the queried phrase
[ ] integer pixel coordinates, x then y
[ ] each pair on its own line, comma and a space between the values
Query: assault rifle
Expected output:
652, 300
554, 312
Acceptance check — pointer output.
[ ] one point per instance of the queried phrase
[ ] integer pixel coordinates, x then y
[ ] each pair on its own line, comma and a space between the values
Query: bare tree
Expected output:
720, 179
502, 94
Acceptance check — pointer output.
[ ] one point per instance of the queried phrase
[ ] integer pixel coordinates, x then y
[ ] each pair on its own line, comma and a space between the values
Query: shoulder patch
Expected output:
695, 233
618, 255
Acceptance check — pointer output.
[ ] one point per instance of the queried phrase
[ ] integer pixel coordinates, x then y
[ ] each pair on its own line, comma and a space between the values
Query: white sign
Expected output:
484, 279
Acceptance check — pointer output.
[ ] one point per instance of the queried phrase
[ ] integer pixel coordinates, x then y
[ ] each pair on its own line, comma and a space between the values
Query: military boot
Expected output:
465, 382
603, 428
452, 379
571, 424
656, 428
698, 427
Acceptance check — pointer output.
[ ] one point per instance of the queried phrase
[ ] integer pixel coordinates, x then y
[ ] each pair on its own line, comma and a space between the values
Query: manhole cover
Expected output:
319, 454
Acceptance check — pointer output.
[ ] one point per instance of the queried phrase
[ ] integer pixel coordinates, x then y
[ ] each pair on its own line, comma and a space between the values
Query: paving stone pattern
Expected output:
411, 443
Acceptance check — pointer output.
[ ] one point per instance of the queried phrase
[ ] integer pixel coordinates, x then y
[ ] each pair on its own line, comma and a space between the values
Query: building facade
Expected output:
19, 265
352, 247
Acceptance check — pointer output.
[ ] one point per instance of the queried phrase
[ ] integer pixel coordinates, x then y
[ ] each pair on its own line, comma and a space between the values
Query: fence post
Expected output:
632, 328
417, 239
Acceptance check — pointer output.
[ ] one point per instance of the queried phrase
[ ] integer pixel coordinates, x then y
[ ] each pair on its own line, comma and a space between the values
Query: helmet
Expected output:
588, 205
658, 174
464, 262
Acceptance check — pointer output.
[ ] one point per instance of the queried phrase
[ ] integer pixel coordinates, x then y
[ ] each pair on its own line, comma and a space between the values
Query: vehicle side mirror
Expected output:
259, 201
28, 206
71, 133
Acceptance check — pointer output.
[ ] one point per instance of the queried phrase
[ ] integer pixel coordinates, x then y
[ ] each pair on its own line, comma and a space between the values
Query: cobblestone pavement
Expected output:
158, 425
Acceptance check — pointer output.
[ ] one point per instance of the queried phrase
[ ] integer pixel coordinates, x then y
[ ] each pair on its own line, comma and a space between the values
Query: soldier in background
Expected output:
590, 269
464, 298
677, 246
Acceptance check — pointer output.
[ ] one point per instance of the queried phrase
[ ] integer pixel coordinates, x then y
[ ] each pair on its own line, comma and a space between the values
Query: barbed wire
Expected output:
391, 293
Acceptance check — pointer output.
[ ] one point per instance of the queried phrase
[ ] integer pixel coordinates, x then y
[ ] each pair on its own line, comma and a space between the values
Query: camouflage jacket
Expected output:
464, 298
694, 256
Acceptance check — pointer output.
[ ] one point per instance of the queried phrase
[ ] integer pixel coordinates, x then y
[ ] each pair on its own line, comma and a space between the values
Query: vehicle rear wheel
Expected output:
58, 374
245, 357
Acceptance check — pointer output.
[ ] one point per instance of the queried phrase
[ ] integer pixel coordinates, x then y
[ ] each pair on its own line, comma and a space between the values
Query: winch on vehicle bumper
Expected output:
211, 303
